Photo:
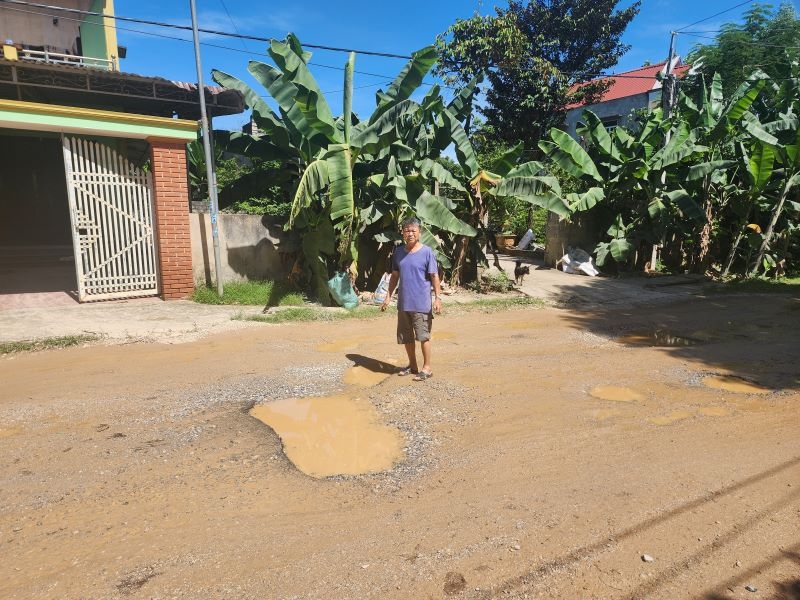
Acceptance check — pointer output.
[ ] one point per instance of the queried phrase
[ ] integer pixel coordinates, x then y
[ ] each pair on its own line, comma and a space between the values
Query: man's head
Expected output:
410, 228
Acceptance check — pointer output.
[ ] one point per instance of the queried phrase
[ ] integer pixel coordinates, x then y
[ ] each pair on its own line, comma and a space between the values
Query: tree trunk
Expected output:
732, 254
770, 230
703, 257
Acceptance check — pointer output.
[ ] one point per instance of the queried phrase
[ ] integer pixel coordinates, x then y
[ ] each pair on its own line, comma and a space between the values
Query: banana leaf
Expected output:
407, 81
686, 204
432, 211
569, 155
313, 182
340, 176
434, 170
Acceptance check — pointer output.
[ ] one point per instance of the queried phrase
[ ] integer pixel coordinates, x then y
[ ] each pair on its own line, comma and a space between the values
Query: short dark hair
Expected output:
411, 221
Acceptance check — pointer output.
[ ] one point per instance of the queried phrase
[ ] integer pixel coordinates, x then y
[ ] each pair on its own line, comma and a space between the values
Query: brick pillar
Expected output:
171, 207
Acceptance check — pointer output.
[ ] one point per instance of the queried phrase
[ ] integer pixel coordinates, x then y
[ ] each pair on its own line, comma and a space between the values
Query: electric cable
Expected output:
188, 28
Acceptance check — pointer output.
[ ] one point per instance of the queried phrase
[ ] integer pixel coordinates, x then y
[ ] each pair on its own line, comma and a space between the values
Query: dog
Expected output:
520, 272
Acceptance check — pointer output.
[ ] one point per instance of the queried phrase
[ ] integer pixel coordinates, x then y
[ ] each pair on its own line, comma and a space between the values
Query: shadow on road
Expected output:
752, 336
372, 364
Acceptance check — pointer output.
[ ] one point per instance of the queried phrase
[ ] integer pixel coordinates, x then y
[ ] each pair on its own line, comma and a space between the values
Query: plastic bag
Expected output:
577, 260
381, 290
342, 290
526, 240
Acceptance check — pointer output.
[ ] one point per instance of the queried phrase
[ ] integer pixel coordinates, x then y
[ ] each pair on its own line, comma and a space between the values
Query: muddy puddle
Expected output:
732, 383
364, 376
332, 435
615, 393
657, 337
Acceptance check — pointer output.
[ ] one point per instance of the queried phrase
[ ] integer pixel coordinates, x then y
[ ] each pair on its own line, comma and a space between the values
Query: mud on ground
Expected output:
552, 450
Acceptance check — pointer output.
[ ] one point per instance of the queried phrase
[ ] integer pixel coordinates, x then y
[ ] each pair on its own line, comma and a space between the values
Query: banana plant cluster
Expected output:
357, 179
691, 181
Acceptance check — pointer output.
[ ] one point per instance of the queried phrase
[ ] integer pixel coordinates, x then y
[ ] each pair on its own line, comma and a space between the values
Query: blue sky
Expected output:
394, 28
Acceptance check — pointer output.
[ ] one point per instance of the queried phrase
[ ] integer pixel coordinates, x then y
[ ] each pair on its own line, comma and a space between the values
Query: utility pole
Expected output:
668, 86
210, 173
668, 90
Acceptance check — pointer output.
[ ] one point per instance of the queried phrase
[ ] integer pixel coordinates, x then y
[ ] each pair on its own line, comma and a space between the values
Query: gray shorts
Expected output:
414, 326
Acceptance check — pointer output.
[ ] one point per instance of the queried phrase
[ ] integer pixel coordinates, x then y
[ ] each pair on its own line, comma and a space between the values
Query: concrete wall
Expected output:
39, 29
251, 248
581, 232
619, 109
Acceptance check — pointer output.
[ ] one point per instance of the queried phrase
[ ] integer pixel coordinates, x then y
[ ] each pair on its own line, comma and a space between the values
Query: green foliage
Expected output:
766, 40
353, 184
711, 188
255, 293
532, 52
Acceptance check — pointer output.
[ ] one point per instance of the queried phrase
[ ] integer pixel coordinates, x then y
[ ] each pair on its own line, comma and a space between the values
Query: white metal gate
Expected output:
112, 222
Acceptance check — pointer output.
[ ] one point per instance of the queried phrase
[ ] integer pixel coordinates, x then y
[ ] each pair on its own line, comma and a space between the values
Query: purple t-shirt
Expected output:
414, 292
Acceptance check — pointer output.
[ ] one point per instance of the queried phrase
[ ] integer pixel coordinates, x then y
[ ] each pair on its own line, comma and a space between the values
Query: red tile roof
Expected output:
631, 83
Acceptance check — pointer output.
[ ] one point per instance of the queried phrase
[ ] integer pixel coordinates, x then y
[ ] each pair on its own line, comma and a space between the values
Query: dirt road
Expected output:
554, 454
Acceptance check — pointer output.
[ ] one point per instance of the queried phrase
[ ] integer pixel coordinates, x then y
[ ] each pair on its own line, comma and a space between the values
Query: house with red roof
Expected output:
628, 91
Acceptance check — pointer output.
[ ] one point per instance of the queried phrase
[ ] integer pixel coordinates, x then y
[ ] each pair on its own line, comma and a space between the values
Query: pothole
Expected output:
657, 337
615, 393
733, 383
332, 435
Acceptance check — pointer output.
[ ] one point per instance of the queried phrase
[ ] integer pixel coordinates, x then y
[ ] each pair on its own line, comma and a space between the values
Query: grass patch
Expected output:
46, 343
250, 293
313, 313
496, 304
318, 313
784, 285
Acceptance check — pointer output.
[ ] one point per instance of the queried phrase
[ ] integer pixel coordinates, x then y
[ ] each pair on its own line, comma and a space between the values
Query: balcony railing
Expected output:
57, 58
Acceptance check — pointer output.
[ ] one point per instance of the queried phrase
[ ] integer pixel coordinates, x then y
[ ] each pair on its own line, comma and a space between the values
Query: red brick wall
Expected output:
171, 205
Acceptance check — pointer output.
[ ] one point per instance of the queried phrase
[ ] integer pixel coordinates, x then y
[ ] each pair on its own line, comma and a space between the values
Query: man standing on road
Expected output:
414, 268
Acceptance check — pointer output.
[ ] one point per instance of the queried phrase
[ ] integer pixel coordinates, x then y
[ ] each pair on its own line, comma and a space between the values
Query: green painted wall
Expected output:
93, 34
92, 126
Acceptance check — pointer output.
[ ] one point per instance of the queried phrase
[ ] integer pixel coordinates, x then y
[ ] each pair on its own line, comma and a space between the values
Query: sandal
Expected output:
406, 371
423, 375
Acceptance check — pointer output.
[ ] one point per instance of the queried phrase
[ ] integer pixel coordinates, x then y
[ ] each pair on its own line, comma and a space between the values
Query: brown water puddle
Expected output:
656, 337
615, 393
670, 418
731, 383
363, 376
333, 435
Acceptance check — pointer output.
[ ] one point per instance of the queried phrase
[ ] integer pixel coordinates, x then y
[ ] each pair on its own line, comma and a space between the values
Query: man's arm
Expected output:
437, 293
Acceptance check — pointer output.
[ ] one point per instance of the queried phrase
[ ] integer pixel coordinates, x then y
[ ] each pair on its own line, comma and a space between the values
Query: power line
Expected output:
230, 18
209, 31
745, 42
206, 44
722, 12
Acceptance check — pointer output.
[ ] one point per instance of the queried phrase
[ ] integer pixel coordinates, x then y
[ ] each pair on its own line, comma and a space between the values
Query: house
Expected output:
93, 173
627, 92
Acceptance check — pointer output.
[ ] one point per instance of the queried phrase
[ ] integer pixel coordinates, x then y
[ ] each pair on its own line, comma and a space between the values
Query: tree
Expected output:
532, 52
767, 40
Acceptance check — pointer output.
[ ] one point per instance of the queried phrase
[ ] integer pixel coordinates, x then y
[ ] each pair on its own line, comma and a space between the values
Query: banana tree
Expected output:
786, 127
626, 171
716, 125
